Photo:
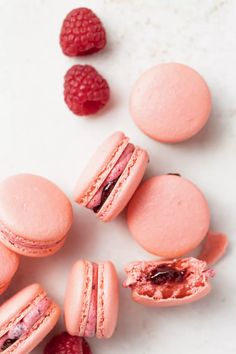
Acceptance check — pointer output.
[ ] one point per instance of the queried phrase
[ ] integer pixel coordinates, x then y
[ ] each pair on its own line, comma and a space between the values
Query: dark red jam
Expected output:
165, 274
105, 194
8, 343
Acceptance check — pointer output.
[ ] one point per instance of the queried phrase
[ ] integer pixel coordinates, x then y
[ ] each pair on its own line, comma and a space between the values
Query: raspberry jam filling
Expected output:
171, 279
164, 273
108, 185
25, 324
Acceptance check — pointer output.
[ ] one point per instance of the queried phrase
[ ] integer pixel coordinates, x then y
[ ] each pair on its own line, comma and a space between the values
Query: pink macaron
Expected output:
111, 177
92, 299
214, 247
9, 265
170, 102
168, 283
35, 215
168, 216
25, 319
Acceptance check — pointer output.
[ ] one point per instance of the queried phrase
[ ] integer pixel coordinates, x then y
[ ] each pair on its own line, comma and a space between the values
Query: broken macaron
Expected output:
111, 177
168, 283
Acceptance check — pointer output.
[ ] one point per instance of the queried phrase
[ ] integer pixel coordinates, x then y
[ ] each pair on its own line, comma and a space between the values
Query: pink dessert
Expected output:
35, 215
214, 247
111, 177
104, 191
9, 265
168, 283
92, 299
25, 319
24, 325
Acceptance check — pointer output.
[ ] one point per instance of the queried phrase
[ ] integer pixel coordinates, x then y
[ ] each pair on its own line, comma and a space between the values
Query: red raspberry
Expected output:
82, 33
64, 343
85, 90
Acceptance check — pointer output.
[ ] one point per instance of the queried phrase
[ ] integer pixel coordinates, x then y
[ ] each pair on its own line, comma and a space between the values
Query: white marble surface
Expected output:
38, 134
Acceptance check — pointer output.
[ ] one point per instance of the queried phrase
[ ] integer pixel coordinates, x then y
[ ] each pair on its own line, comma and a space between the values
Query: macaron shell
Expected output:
147, 301
108, 300
168, 216
77, 298
214, 247
39, 331
9, 266
170, 102
99, 167
26, 201
36, 251
17, 304
125, 186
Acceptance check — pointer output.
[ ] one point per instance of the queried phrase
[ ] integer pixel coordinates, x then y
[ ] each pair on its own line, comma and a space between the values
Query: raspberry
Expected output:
85, 90
82, 33
64, 343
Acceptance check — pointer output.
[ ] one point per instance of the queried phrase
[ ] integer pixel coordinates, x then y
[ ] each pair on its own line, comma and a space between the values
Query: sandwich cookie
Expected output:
35, 215
92, 299
25, 319
111, 177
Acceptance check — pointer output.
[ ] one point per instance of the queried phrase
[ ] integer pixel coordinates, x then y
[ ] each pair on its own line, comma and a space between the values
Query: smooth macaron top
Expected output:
168, 216
34, 208
9, 265
170, 102
99, 166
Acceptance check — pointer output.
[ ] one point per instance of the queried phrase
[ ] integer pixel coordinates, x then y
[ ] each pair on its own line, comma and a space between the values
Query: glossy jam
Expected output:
105, 194
163, 274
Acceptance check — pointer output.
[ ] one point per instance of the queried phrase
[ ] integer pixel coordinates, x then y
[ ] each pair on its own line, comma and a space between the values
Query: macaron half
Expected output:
25, 319
111, 177
35, 215
170, 102
168, 283
168, 216
92, 299
9, 265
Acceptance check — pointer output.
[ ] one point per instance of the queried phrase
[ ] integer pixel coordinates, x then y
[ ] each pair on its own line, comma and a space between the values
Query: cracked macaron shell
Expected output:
78, 297
35, 215
168, 216
15, 308
99, 167
199, 289
9, 265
